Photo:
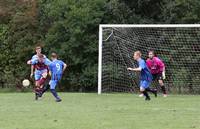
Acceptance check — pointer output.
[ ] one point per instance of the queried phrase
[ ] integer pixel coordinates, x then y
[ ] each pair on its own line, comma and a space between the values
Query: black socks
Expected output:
147, 97
163, 89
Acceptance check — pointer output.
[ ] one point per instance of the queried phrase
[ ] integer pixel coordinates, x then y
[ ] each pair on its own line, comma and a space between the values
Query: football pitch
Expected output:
92, 111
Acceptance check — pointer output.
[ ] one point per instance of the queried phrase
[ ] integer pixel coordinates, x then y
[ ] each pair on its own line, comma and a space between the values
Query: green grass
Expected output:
92, 111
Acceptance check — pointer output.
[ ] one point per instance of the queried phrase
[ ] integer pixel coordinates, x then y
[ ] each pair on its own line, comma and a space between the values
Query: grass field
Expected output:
90, 111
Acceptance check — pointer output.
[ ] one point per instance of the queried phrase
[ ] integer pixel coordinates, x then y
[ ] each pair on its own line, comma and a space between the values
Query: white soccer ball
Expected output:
25, 82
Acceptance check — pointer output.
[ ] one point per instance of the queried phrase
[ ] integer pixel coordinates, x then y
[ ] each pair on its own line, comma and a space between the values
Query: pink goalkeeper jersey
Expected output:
155, 65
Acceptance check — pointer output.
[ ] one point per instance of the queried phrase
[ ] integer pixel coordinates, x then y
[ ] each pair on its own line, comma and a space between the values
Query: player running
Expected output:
145, 76
157, 68
56, 67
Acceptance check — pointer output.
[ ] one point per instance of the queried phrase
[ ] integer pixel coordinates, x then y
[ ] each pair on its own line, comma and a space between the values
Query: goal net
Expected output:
178, 46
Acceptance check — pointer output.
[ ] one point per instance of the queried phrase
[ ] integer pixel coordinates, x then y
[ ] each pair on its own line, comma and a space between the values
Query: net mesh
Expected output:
178, 48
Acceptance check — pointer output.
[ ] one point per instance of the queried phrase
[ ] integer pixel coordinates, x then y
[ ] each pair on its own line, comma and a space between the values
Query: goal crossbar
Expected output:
149, 25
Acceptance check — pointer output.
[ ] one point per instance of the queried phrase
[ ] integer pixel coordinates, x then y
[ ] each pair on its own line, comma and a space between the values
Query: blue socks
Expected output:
53, 91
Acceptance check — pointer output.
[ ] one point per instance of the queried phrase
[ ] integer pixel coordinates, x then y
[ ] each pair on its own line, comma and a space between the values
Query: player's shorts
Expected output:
54, 81
38, 74
53, 84
157, 76
144, 84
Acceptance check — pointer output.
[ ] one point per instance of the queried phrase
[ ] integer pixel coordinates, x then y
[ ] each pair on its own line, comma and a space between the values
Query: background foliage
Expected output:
70, 27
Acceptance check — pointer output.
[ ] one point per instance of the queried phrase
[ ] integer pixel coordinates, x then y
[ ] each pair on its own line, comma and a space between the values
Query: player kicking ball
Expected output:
157, 69
56, 67
39, 70
145, 76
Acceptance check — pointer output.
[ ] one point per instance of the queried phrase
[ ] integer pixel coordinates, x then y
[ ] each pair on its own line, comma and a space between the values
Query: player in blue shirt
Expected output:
56, 67
145, 76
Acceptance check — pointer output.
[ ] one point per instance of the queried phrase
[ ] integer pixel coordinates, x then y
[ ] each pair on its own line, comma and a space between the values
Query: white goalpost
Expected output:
178, 45
100, 60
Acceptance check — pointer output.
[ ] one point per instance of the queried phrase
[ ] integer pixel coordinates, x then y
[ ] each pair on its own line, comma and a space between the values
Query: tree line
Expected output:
70, 27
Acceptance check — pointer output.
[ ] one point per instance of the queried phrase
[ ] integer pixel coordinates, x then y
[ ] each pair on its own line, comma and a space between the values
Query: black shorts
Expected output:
157, 76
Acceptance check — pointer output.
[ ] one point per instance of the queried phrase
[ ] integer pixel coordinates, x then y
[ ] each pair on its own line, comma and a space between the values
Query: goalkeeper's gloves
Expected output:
163, 75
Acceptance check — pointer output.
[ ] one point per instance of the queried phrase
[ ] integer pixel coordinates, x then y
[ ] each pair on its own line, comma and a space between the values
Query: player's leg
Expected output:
37, 76
152, 90
161, 83
41, 83
38, 90
143, 85
53, 84
43, 77
45, 86
44, 89
141, 94
145, 93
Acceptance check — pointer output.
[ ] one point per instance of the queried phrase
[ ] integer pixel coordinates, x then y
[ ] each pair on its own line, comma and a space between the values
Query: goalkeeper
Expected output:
157, 68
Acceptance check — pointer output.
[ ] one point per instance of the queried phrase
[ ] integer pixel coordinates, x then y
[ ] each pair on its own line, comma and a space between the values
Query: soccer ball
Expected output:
25, 82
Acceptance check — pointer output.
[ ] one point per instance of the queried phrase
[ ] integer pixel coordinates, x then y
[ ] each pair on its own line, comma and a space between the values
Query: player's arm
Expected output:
50, 65
141, 66
148, 63
135, 69
50, 73
64, 67
32, 61
161, 65
163, 73
32, 71
47, 62
162, 68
